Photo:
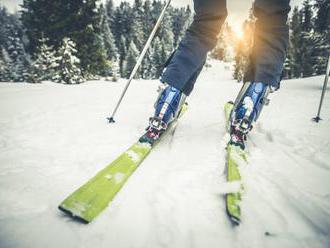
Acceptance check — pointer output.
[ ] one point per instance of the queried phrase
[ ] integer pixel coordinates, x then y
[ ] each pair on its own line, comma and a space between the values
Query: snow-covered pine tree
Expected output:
69, 64
123, 24
4, 20
45, 65
181, 18
17, 55
130, 60
137, 24
3, 70
122, 50
146, 29
108, 43
61, 18
107, 36
321, 38
165, 32
115, 73
158, 57
110, 10
147, 65
296, 43
287, 68
307, 39
148, 20
163, 44
5, 66
122, 32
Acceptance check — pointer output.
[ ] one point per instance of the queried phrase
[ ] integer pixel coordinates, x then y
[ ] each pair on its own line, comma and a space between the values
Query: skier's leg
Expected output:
271, 39
200, 38
185, 64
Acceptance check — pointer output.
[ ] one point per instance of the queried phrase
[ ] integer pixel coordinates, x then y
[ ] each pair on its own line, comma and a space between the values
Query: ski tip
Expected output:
111, 120
74, 217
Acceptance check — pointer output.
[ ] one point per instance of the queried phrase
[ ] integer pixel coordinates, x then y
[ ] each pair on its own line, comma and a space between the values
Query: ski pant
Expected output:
271, 39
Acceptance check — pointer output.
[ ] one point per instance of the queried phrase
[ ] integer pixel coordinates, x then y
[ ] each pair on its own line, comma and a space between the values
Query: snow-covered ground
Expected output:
54, 137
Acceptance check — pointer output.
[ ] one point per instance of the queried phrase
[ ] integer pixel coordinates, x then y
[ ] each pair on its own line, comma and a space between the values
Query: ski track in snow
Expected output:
54, 137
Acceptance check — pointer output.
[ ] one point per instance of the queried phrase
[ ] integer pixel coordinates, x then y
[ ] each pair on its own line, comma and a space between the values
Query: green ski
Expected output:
87, 202
235, 156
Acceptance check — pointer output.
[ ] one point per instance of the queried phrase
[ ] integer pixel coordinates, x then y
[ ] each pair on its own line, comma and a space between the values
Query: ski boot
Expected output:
247, 109
167, 109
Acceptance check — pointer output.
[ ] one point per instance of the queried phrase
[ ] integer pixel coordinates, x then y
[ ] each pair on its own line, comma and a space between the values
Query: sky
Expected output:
237, 9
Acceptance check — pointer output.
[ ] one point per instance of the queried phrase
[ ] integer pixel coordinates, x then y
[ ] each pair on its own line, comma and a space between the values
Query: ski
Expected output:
88, 201
235, 156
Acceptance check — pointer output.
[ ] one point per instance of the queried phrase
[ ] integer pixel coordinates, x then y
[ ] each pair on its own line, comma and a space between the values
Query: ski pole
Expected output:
139, 61
318, 118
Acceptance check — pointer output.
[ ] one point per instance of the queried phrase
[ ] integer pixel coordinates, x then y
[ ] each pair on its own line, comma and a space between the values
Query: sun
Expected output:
237, 28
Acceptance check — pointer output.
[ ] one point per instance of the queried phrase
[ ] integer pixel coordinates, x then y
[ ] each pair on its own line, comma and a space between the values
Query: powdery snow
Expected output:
134, 156
54, 137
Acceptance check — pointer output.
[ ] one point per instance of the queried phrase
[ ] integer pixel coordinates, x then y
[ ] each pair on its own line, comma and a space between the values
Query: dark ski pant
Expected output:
271, 39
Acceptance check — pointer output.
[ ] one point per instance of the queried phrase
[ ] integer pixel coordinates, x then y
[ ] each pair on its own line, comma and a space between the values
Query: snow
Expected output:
135, 157
54, 137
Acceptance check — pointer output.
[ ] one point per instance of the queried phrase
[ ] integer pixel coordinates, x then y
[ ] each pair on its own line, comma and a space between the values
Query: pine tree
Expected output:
11, 40
45, 65
4, 20
321, 39
158, 58
296, 43
110, 10
80, 20
3, 70
104, 34
108, 44
322, 17
5, 66
287, 68
165, 32
115, 73
137, 25
147, 65
147, 26
181, 18
307, 42
107, 36
130, 60
91, 51
37, 22
122, 55
17, 55
123, 24
69, 64
148, 20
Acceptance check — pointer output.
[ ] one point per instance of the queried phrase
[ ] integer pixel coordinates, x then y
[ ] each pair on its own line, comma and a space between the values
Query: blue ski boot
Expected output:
167, 109
247, 110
